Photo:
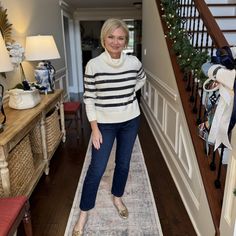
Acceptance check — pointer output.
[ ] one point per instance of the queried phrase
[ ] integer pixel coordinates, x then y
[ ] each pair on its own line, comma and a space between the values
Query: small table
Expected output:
18, 124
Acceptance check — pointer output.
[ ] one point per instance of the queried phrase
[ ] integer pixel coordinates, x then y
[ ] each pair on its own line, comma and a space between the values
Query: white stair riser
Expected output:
226, 24
216, 10
223, 11
217, 1
231, 38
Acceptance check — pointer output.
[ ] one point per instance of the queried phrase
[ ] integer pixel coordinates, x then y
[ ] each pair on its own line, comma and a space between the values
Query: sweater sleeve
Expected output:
141, 76
90, 92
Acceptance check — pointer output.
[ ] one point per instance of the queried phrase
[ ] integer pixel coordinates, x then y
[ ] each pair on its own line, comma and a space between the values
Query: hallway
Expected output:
52, 199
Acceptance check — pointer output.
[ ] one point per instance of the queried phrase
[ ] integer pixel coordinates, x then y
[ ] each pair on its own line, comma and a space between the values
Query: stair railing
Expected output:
205, 36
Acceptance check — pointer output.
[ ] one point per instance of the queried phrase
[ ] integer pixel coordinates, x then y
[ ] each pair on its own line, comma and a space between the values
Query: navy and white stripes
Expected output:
109, 90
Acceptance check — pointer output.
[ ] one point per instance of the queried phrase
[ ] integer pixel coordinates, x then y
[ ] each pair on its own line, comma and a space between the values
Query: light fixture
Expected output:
5, 66
42, 48
137, 5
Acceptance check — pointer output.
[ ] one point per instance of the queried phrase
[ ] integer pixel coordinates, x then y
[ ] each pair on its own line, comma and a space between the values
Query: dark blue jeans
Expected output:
125, 134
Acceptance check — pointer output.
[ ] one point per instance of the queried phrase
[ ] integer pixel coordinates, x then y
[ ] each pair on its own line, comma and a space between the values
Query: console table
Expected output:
18, 126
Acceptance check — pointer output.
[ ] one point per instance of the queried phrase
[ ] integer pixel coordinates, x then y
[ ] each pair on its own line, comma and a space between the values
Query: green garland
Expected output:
189, 58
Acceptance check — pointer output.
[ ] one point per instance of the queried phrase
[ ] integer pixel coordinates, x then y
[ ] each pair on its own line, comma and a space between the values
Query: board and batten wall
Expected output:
163, 109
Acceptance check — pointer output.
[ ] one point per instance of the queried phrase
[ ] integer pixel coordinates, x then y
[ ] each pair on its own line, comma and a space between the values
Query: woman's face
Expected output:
115, 42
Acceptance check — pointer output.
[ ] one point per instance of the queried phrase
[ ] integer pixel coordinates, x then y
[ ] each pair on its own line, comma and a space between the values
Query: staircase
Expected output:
225, 15
204, 32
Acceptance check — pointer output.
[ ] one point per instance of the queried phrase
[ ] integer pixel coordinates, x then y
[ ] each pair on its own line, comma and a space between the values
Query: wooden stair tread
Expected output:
229, 30
216, 17
221, 4
223, 17
223, 30
214, 5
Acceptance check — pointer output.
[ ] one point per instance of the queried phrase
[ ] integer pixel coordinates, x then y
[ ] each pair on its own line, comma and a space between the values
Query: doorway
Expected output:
90, 39
72, 48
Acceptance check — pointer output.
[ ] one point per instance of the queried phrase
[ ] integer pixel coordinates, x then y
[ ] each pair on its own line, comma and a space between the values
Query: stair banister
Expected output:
210, 23
215, 196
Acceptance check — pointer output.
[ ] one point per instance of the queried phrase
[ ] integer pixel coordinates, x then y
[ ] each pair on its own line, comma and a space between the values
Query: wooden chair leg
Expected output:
77, 125
81, 118
27, 221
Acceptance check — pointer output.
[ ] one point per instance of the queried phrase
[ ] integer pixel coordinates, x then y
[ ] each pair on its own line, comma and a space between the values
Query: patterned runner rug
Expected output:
103, 219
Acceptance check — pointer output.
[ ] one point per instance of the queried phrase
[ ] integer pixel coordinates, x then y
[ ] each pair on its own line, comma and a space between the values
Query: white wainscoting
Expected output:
164, 112
61, 82
160, 114
171, 127
184, 155
228, 215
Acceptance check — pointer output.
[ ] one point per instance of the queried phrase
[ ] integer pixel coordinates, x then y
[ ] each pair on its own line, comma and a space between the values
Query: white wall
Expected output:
33, 17
157, 59
163, 109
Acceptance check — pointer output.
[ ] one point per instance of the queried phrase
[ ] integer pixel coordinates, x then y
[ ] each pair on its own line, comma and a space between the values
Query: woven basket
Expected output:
36, 140
53, 132
1, 188
21, 167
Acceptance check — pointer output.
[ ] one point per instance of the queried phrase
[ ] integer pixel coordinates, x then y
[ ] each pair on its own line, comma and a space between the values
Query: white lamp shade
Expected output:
5, 61
41, 47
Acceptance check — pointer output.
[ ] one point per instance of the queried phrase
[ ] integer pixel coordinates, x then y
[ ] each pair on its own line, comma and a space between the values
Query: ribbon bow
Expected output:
220, 124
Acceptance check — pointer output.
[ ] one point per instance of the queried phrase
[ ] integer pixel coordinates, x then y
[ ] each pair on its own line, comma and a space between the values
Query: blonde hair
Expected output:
110, 25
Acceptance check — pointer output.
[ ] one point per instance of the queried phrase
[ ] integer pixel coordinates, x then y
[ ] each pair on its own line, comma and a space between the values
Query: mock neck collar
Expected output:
111, 61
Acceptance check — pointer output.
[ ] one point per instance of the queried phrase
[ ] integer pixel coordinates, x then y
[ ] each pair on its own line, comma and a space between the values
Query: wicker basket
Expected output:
1, 188
21, 167
36, 140
53, 132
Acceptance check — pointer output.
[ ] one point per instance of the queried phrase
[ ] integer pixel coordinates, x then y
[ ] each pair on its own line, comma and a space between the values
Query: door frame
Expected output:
72, 48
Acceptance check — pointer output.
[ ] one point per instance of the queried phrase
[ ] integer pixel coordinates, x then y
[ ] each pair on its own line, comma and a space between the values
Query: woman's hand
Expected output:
96, 135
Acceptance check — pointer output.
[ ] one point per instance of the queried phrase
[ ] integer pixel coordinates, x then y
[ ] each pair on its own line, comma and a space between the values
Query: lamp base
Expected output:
44, 75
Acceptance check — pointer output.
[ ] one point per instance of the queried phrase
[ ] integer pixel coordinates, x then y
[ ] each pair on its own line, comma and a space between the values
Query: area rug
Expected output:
103, 219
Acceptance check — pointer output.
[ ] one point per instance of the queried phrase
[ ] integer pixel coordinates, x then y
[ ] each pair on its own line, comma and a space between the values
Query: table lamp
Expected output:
42, 48
5, 66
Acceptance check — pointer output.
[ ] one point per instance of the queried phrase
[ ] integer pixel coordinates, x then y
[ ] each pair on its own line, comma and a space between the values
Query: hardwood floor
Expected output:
173, 216
52, 199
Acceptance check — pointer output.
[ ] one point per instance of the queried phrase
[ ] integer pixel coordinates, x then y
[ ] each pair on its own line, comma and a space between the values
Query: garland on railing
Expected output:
189, 58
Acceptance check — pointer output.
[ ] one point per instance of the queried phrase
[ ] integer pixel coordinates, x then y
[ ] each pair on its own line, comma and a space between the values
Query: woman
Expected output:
111, 81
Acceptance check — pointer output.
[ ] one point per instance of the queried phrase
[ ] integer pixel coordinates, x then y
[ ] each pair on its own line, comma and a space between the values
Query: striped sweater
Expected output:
110, 86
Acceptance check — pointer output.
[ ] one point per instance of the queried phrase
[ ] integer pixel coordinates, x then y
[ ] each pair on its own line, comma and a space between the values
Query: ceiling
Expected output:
102, 3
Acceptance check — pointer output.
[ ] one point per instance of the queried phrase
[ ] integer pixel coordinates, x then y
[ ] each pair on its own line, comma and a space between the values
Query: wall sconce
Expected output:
42, 48
5, 66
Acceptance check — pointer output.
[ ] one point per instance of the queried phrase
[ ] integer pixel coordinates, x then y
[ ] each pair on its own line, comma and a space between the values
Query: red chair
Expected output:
73, 109
12, 211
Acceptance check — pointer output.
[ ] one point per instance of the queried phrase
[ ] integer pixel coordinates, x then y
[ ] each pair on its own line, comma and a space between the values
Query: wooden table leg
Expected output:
62, 118
44, 143
4, 173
